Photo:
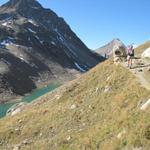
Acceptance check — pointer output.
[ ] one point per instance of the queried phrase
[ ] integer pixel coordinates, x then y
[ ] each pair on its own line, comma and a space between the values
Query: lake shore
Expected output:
28, 97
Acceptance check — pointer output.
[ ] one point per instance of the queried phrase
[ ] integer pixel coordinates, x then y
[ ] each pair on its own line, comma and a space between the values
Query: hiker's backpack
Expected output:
130, 51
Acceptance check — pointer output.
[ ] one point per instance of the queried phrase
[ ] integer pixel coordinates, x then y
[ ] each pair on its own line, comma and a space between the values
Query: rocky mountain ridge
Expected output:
37, 46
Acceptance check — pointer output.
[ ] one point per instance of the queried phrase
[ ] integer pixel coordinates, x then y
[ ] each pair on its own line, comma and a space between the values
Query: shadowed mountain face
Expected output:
37, 46
107, 50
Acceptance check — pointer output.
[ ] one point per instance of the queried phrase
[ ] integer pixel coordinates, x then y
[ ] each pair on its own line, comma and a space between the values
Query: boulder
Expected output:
146, 53
15, 109
145, 105
119, 53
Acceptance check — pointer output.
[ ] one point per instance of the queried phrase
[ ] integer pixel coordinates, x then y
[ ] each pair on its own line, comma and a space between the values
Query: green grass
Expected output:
95, 122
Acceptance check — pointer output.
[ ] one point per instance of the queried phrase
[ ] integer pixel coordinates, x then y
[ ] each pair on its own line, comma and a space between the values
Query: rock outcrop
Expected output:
119, 53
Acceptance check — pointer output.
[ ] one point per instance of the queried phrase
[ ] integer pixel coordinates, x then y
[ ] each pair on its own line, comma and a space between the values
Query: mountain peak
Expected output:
107, 49
116, 39
37, 46
20, 4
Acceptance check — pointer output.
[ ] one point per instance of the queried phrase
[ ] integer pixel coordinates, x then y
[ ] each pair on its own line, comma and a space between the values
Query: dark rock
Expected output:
140, 70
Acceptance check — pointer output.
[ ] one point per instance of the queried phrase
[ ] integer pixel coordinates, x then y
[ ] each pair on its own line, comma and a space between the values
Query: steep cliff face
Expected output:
37, 46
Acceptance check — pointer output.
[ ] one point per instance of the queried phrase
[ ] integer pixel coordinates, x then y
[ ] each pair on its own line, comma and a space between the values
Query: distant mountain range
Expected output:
37, 46
107, 49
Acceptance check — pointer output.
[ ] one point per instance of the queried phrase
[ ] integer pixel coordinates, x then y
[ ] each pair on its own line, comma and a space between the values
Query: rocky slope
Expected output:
37, 46
107, 50
141, 65
99, 110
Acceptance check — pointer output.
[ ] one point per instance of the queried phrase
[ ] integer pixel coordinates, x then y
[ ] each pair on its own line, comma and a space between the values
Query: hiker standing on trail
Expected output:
130, 55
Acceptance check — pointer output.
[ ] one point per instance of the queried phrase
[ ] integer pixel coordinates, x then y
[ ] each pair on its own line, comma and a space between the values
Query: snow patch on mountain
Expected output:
35, 7
41, 41
32, 22
6, 42
52, 42
29, 29
81, 69
7, 24
37, 37
62, 39
27, 62
4, 24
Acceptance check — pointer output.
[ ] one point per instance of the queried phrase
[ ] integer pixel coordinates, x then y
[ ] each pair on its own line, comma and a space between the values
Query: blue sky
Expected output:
97, 22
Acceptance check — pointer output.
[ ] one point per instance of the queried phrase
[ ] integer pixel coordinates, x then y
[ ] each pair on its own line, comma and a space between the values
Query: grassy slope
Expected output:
140, 49
93, 124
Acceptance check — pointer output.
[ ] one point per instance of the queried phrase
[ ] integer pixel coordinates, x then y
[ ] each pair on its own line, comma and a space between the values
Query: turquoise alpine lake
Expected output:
33, 96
